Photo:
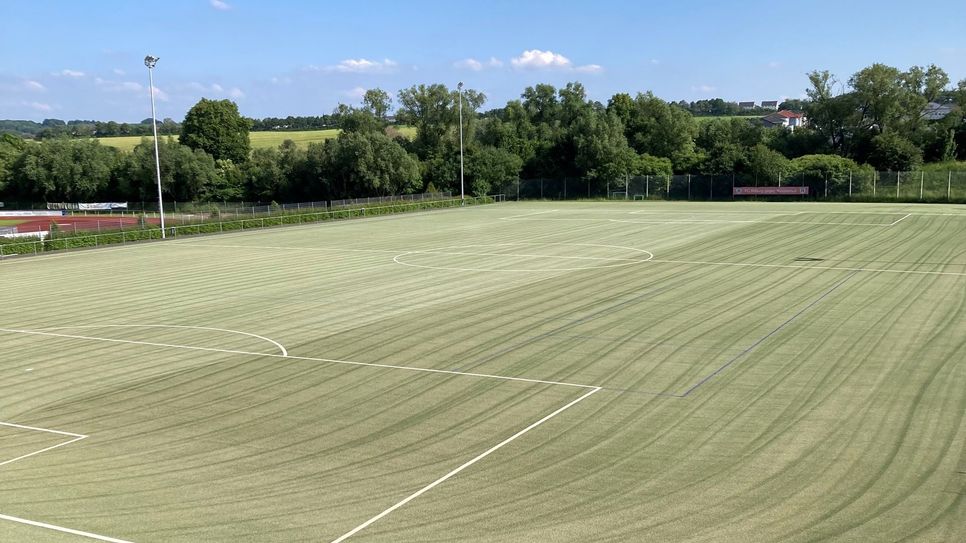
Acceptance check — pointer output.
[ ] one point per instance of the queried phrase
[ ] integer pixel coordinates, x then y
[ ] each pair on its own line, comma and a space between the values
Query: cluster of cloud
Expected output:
358, 66
531, 59
219, 5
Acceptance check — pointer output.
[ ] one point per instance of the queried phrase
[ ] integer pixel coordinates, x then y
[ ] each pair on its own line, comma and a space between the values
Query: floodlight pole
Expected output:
459, 89
150, 61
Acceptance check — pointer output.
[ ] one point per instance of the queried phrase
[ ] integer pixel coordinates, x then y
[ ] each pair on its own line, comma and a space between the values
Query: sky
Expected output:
84, 60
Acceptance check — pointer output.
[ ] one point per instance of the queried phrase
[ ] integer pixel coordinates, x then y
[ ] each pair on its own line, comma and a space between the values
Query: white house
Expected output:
785, 119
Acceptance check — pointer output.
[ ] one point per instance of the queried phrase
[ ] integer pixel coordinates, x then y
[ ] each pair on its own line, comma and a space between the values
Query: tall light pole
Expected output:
459, 88
150, 61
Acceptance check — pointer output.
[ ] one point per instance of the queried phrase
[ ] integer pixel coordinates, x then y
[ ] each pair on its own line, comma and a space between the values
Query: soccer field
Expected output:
535, 371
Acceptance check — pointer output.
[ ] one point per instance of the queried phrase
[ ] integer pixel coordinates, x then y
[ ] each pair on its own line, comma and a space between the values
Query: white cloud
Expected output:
537, 59
356, 93
235, 92
215, 87
219, 5
118, 86
477, 65
34, 85
774, 64
69, 73
39, 106
160, 94
118, 71
704, 88
590, 69
469, 64
655, 61
363, 65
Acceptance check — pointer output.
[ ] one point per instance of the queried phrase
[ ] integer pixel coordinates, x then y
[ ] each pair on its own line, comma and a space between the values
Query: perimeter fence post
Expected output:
826, 185
898, 175
667, 189
689, 187
875, 176
850, 184
647, 187
922, 180
949, 185
711, 189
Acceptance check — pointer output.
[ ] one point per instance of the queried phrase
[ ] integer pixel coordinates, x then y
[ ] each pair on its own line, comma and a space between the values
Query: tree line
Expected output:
880, 118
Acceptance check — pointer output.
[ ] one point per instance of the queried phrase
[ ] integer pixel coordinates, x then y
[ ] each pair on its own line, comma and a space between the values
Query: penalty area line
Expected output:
62, 529
462, 467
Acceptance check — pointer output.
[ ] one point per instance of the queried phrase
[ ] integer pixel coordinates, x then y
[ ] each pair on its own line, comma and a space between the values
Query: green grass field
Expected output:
615, 371
259, 139
10, 222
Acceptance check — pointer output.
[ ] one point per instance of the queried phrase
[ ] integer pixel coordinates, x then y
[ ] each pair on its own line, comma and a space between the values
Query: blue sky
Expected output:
84, 60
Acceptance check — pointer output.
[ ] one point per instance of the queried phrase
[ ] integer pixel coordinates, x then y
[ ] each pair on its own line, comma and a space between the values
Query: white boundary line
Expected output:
62, 529
292, 357
76, 437
465, 465
823, 268
906, 216
177, 326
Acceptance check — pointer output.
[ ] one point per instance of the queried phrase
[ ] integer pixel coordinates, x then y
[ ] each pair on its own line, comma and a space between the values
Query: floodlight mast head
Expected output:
150, 61
459, 85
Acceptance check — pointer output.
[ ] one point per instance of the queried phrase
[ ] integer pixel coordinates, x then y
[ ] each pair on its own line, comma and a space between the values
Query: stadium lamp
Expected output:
459, 89
150, 62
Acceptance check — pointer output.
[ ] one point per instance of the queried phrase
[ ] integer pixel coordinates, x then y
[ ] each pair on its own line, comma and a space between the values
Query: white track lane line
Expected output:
62, 529
449, 475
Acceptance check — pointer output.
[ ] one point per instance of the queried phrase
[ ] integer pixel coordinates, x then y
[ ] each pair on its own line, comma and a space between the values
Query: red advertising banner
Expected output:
770, 191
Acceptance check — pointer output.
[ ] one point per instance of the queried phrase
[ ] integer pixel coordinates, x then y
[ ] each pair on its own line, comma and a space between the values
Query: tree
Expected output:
652, 165
216, 127
377, 102
766, 164
433, 110
602, 150
488, 167
657, 128
892, 152
63, 170
187, 174
371, 163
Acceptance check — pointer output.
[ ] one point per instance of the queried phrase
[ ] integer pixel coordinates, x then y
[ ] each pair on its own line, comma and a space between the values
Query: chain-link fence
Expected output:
864, 185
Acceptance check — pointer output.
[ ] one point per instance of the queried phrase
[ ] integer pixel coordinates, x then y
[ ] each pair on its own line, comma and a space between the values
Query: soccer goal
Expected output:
618, 195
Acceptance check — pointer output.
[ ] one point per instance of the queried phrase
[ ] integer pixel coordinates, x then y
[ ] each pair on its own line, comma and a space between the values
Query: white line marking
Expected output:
62, 529
447, 251
272, 341
76, 437
512, 217
824, 268
293, 357
449, 475
906, 216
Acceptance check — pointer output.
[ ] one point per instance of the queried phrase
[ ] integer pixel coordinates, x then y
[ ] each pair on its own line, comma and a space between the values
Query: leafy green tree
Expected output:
490, 167
378, 103
890, 151
186, 175
216, 127
264, 177
433, 110
657, 128
766, 164
652, 165
602, 150
63, 170
357, 120
839, 171
10, 149
371, 163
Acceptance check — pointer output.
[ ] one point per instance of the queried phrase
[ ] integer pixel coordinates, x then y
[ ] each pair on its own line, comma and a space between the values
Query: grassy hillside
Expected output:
259, 139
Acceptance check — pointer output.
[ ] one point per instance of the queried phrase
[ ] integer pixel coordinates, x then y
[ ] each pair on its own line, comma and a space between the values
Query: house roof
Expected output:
744, 104
769, 103
788, 114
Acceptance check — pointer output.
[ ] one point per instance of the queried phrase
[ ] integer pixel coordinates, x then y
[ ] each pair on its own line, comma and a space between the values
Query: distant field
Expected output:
524, 372
10, 222
259, 139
